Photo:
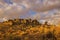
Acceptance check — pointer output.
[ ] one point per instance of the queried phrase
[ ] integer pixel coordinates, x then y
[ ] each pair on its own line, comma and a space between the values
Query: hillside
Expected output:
28, 29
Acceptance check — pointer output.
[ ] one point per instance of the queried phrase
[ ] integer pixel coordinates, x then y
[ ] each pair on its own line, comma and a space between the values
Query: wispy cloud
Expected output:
13, 10
17, 8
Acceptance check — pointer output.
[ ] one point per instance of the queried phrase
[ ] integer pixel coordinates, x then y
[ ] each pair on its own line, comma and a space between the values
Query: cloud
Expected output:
13, 10
48, 5
22, 7
40, 5
52, 15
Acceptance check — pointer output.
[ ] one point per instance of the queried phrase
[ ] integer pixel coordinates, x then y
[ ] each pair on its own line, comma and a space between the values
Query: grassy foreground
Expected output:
27, 29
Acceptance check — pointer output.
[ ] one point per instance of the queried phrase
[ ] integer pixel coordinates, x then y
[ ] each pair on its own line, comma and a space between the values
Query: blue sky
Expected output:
8, 1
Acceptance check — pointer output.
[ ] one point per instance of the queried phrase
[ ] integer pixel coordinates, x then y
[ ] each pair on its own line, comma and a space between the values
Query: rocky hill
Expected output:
28, 29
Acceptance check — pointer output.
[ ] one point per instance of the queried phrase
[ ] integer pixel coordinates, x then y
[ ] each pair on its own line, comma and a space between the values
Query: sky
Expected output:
48, 10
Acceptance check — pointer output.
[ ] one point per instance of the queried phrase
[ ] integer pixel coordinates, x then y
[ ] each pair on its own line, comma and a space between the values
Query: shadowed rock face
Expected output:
49, 36
22, 21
